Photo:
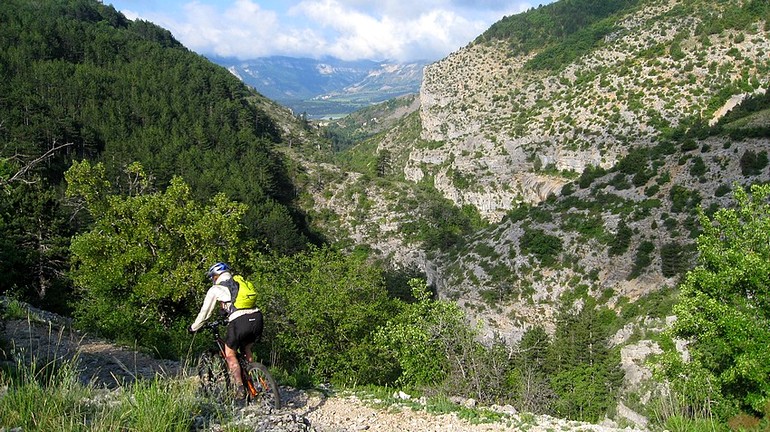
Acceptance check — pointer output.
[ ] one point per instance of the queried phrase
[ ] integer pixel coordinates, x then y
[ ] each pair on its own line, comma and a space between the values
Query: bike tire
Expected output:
266, 390
214, 376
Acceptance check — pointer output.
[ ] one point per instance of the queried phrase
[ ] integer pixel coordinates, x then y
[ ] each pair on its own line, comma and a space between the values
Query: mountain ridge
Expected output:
326, 87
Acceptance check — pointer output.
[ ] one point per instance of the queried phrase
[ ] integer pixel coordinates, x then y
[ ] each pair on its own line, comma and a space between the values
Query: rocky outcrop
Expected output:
507, 134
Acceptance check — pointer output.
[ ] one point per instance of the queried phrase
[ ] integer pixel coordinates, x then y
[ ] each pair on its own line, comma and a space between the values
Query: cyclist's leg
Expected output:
232, 364
232, 342
246, 350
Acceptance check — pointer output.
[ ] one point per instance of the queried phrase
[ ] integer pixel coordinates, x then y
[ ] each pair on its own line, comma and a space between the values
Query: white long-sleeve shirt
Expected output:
221, 294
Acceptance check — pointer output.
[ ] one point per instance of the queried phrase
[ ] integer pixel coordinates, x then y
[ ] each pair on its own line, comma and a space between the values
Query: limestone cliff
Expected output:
602, 155
518, 132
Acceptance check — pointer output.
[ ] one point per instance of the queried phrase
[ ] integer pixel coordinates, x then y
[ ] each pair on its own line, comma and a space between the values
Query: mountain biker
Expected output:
244, 325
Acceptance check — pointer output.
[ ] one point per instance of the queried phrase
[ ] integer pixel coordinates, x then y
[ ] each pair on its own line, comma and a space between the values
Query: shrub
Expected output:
621, 240
698, 167
544, 247
321, 308
722, 190
753, 163
138, 270
723, 308
673, 259
643, 258
419, 338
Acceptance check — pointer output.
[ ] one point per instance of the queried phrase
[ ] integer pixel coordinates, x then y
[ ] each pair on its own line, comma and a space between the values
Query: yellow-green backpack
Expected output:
243, 294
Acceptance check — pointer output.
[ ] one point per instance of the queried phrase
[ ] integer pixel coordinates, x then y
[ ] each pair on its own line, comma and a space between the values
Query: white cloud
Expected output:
425, 33
348, 29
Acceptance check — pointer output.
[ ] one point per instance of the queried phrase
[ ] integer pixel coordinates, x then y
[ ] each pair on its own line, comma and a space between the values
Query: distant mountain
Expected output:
326, 87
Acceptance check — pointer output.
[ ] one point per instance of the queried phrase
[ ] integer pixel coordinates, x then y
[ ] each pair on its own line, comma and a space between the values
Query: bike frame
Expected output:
256, 379
248, 383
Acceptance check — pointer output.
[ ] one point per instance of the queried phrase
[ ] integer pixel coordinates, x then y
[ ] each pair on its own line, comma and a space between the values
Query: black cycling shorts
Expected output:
244, 330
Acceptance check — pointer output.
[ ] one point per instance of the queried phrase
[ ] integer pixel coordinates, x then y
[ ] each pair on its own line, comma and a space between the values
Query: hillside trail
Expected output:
104, 364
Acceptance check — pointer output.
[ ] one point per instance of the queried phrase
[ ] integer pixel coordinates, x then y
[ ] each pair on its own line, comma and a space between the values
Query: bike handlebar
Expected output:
213, 324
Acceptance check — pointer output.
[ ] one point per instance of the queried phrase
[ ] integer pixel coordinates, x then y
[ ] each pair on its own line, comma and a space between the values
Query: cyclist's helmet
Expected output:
217, 269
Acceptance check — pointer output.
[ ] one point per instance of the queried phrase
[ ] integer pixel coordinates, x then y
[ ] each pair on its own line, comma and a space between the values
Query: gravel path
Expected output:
349, 413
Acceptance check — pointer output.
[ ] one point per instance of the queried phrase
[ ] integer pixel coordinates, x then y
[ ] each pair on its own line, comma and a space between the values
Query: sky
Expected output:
399, 30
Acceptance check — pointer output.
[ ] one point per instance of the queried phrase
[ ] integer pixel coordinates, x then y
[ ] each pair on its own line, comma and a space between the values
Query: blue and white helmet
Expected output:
217, 269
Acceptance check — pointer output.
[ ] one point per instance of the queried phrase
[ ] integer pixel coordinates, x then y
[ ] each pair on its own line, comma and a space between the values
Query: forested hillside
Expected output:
80, 81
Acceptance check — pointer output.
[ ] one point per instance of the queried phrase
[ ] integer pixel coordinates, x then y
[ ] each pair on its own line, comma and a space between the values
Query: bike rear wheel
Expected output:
214, 376
262, 389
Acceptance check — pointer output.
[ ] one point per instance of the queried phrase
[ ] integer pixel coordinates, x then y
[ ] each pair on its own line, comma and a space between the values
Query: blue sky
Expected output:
400, 30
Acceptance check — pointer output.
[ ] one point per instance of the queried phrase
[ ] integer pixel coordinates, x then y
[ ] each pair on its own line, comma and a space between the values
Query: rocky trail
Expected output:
106, 365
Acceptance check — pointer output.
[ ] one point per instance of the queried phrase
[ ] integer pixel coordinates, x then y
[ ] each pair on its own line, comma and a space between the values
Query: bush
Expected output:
683, 199
674, 259
138, 270
621, 241
723, 308
643, 258
419, 338
544, 247
753, 163
698, 167
321, 308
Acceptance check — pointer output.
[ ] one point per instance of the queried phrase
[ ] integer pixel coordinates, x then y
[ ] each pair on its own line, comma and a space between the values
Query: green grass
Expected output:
442, 405
48, 395
11, 308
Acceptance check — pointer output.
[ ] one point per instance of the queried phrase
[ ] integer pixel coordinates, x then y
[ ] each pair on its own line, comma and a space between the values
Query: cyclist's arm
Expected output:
216, 293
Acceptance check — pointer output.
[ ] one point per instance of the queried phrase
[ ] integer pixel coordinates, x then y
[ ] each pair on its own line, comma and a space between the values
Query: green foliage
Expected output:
683, 199
12, 309
747, 120
722, 190
674, 259
589, 226
321, 307
753, 163
572, 47
643, 258
698, 167
657, 304
724, 309
555, 23
347, 132
440, 224
621, 241
138, 270
418, 337
34, 241
529, 378
585, 372
544, 247
589, 175
80, 76
51, 397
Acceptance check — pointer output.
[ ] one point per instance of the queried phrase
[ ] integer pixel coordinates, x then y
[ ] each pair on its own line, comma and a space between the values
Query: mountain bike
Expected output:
215, 379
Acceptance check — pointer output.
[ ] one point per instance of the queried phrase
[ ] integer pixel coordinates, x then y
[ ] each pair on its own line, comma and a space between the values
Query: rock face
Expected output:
507, 134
